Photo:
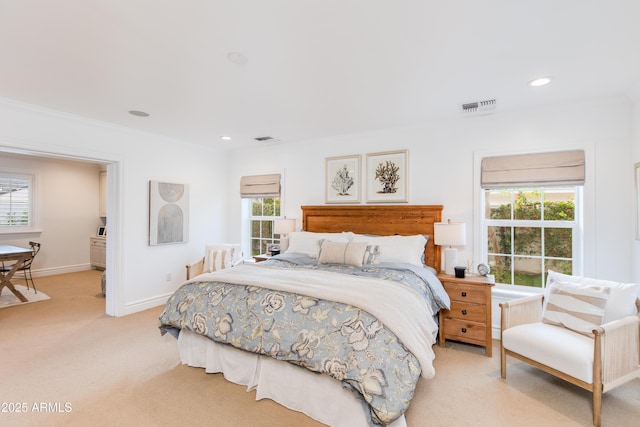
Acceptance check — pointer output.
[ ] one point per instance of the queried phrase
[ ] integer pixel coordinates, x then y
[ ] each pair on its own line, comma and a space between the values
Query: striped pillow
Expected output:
575, 306
219, 260
342, 253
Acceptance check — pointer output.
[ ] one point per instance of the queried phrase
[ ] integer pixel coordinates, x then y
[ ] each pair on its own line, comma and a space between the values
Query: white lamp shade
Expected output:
284, 226
450, 234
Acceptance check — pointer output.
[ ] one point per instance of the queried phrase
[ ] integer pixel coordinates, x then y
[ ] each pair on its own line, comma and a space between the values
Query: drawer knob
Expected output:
464, 330
464, 312
464, 294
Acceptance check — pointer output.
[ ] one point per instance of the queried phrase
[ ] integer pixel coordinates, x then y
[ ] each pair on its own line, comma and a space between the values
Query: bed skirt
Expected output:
289, 385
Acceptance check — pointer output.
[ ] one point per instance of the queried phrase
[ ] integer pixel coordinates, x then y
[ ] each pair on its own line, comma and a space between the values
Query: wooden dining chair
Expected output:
25, 268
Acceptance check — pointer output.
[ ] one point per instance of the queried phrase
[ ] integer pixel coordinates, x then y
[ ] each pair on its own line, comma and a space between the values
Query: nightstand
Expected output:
261, 257
469, 319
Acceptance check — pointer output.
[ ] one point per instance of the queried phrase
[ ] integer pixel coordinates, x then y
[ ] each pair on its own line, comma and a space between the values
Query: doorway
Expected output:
112, 167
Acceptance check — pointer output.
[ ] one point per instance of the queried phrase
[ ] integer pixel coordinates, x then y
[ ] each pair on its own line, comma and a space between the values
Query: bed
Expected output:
339, 327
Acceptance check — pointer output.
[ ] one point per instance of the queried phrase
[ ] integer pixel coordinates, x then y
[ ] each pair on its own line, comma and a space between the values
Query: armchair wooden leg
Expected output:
503, 362
597, 406
597, 378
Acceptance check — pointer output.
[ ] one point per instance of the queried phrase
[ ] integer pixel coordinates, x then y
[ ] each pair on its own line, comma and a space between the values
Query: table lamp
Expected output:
450, 234
283, 227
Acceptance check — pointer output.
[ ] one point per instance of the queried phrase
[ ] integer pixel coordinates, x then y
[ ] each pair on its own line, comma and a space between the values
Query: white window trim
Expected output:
584, 259
245, 209
34, 224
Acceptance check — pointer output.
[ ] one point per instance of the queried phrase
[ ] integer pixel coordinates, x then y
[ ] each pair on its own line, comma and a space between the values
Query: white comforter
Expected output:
401, 309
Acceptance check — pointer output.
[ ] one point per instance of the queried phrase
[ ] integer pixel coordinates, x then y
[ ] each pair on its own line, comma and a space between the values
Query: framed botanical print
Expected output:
342, 179
388, 177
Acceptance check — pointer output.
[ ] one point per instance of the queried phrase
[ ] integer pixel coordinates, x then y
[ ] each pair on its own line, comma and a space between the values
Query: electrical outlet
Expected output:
168, 277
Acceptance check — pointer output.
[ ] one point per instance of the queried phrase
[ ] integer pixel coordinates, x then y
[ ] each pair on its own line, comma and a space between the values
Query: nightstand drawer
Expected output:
466, 293
101, 243
461, 330
467, 312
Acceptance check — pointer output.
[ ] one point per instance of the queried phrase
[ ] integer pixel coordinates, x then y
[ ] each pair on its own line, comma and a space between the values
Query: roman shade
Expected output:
553, 169
260, 186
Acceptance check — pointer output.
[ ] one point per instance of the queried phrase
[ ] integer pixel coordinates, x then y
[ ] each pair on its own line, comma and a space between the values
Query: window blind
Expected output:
555, 169
260, 186
15, 201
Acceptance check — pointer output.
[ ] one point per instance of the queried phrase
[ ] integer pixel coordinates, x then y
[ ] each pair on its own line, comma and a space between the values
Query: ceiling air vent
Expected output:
479, 106
266, 139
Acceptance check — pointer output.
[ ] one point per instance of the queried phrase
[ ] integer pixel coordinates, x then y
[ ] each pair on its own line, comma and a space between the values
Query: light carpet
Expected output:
120, 372
7, 298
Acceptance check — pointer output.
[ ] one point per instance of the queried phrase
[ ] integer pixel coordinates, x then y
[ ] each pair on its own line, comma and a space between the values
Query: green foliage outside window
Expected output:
14, 219
529, 251
263, 212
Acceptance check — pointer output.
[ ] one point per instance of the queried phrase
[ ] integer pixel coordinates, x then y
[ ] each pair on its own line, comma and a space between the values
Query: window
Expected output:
264, 211
528, 231
16, 201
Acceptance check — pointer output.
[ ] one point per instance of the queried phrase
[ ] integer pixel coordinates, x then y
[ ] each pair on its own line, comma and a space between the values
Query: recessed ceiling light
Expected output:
541, 81
138, 113
225, 138
237, 58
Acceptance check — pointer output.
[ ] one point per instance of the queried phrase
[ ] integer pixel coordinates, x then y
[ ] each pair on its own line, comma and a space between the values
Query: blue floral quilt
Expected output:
333, 338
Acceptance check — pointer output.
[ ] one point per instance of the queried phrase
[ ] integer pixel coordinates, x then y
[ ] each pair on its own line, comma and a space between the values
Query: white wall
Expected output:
441, 158
442, 171
136, 271
635, 158
67, 210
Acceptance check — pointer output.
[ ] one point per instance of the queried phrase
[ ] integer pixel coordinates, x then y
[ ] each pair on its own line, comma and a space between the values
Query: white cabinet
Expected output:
98, 252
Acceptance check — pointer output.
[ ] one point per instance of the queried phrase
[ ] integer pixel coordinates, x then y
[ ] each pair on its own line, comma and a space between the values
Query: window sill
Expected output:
515, 291
26, 232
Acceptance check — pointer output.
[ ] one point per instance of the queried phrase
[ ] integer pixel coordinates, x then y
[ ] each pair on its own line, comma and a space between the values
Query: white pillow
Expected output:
232, 258
576, 306
404, 249
621, 302
350, 253
308, 243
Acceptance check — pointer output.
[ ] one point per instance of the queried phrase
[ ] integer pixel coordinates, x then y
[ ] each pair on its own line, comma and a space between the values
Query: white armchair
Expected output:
598, 363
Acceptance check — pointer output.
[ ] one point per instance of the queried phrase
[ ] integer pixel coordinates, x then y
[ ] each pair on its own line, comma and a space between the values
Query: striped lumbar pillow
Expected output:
575, 306
349, 253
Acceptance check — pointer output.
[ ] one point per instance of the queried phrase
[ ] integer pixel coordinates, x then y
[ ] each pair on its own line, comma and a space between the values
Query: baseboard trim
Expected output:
145, 304
52, 271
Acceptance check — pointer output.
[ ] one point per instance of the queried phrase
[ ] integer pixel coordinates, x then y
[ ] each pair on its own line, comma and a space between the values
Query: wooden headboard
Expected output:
405, 220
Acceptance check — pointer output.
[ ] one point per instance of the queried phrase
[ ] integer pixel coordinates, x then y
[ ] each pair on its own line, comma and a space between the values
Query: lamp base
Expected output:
450, 260
284, 244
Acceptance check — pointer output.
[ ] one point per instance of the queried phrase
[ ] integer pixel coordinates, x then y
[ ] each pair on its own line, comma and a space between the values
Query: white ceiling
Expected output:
315, 67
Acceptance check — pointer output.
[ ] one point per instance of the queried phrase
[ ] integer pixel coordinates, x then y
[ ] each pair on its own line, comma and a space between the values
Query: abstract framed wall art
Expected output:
168, 213
342, 179
388, 177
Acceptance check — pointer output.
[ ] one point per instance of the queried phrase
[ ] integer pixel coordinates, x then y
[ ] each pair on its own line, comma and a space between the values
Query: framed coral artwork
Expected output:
342, 179
388, 177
